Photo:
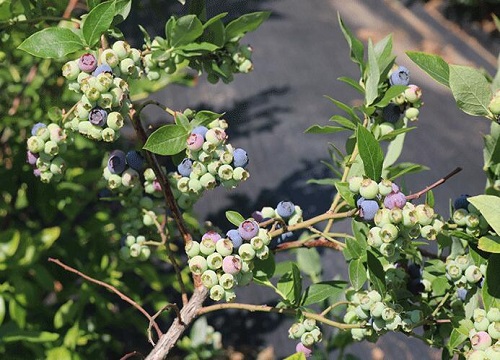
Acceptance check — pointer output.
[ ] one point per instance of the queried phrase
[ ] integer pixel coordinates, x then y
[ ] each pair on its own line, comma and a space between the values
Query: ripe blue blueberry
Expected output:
104, 68
248, 229
135, 160
37, 127
400, 77
117, 162
98, 116
285, 209
235, 237
184, 168
461, 202
461, 293
240, 158
391, 113
367, 208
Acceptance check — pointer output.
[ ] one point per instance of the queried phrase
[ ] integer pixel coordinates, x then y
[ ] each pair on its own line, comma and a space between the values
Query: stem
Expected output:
112, 289
270, 309
166, 307
333, 306
434, 313
432, 186
322, 242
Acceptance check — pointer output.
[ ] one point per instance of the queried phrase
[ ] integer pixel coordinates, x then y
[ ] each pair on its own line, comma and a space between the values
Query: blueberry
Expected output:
98, 116
461, 293
87, 63
461, 202
235, 237
415, 286
400, 77
104, 68
285, 209
135, 160
248, 229
201, 130
395, 200
31, 157
414, 271
367, 208
116, 162
36, 127
240, 158
184, 168
391, 113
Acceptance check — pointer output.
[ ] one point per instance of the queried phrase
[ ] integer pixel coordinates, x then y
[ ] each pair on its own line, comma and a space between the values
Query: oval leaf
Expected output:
97, 21
357, 274
489, 206
470, 89
234, 217
248, 22
433, 65
489, 243
370, 152
51, 43
321, 291
185, 30
167, 140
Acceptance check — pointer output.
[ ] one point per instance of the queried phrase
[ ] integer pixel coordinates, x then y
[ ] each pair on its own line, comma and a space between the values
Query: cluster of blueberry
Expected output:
308, 333
396, 220
102, 82
224, 263
45, 145
209, 162
404, 107
379, 314
134, 247
485, 335
460, 270
122, 170
467, 217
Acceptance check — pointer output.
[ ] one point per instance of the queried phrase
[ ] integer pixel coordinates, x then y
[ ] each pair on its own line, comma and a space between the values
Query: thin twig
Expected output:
131, 354
310, 244
168, 306
432, 186
112, 289
333, 306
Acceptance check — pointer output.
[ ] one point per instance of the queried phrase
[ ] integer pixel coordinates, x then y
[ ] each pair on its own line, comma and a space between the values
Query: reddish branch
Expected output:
309, 244
432, 186
112, 289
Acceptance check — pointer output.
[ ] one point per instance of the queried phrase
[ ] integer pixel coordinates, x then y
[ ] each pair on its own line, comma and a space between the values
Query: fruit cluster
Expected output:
308, 333
209, 162
122, 170
485, 335
467, 217
45, 145
134, 247
224, 263
402, 108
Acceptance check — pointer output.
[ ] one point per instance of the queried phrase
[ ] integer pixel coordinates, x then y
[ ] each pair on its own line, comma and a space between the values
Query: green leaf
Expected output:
309, 261
429, 198
328, 181
357, 274
353, 83
355, 45
372, 77
2, 309
52, 42
489, 206
167, 140
391, 93
185, 30
290, 285
489, 243
29, 336
492, 272
10, 242
370, 152
489, 300
49, 235
344, 122
65, 314
460, 334
320, 129
234, 217
296, 356
204, 117
401, 169
197, 48
348, 110
264, 269
122, 10
356, 248
97, 21
384, 55
376, 271
470, 89
318, 292
393, 134
471, 305
347, 195
214, 31
182, 120
433, 65
245, 23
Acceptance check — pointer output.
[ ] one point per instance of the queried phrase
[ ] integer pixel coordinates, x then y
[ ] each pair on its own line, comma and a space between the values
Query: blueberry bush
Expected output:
86, 208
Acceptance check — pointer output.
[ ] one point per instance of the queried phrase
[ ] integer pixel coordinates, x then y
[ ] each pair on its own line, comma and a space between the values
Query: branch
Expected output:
188, 314
166, 307
270, 309
310, 244
432, 186
112, 289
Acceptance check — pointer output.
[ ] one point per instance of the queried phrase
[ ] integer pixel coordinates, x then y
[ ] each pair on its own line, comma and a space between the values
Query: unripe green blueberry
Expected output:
453, 270
388, 314
396, 215
473, 274
183, 184
207, 246
459, 217
130, 178
192, 248
109, 135
104, 81
389, 233
493, 352
482, 325
215, 136
409, 217
214, 260
365, 302
477, 355
296, 331
198, 264
317, 335
227, 281
428, 232
264, 236
141, 239
392, 325
494, 105
105, 100
135, 250
117, 97
240, 174
71, 70
493, 314
382, 217
425, 214
494, 330
209, 279
115, 120
355, 183
309, 324
95, 132
46, 177
114, 181
374, 239
361, 314
385, 187
35, 144
358, 334
217, 293
257, 243
197, 169
268, 212
57, 166
472, 220
121, 49
412, 94
127, 66
412, 113
208, 181
224, 247
378, 324
376, 309
438, 225
463, 261
225, 172
148, 218
109, 57
387, 249
262, 253
145, 253
350, 317
229, 295
368, 189
195, 186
